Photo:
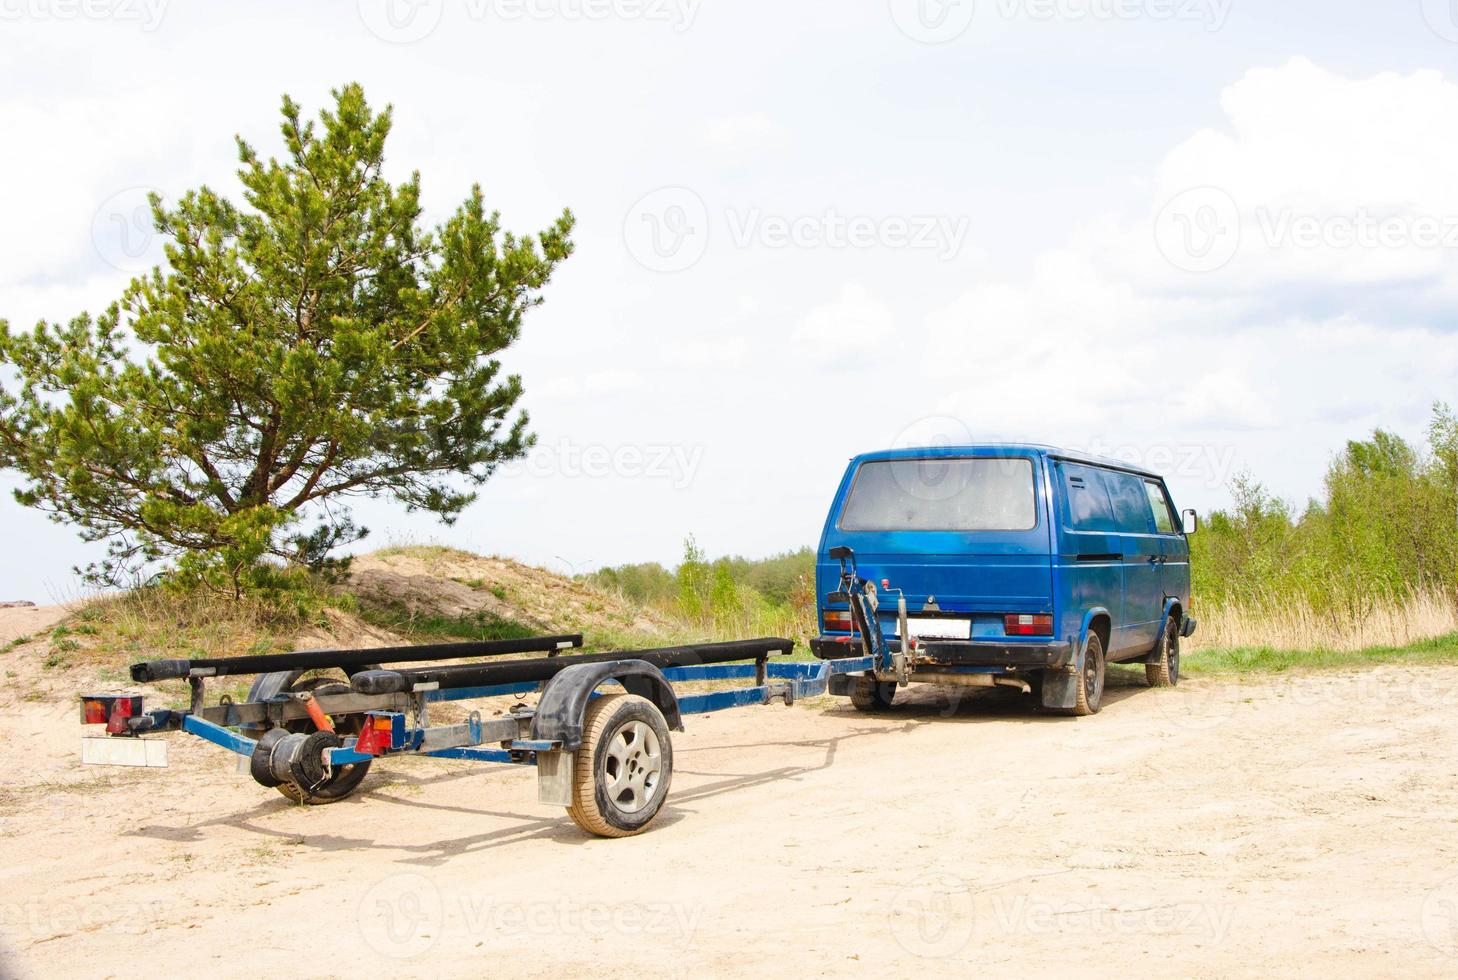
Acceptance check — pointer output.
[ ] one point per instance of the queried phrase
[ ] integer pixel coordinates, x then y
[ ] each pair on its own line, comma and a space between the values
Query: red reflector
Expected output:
1024, 624
111, 710
374, 739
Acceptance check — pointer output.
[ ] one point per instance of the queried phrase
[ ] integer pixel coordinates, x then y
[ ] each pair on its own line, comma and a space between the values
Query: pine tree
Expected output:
313, 344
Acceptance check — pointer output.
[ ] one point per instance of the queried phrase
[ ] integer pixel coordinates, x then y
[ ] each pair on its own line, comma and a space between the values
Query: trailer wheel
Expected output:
869, 694
344, 780
624, 767
1164, 669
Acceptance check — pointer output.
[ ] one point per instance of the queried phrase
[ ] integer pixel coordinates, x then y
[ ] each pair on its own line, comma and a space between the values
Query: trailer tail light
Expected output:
381, 732
837, 621
111, 710
1022, 624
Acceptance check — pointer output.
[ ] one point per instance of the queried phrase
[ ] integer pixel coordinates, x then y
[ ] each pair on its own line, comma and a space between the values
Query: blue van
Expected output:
1021, 566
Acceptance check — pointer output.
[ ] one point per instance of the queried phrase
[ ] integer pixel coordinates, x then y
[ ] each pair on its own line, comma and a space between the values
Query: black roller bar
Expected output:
158, 670
523, 671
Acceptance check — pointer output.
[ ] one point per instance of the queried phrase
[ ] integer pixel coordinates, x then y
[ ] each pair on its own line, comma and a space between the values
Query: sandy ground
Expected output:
1297, 826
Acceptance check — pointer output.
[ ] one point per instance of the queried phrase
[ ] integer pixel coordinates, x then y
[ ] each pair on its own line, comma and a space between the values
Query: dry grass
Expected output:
1297, 625
152, 623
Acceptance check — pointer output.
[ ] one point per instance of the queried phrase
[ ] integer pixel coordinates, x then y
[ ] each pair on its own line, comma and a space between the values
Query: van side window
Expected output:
1088, 502
1131, 503
1163, 519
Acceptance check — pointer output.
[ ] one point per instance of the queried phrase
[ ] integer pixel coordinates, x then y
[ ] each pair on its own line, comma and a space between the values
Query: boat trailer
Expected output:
605, 756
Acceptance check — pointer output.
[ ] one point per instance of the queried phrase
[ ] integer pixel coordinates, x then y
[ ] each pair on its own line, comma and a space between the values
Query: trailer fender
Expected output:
563, 704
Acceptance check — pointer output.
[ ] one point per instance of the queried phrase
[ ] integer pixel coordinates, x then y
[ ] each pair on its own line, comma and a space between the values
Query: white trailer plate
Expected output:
103, 750
939, 629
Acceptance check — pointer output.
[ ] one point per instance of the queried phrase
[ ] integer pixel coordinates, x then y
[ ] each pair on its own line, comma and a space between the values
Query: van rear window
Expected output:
942, 495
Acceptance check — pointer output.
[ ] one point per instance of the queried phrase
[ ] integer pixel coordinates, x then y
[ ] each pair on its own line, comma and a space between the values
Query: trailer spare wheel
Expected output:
623, 770
341, 781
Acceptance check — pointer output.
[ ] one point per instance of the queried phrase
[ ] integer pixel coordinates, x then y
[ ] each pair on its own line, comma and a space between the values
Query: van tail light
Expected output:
1022, 624
837, 621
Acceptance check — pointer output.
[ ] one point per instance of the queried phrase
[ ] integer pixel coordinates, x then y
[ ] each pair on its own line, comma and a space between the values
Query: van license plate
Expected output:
939, 629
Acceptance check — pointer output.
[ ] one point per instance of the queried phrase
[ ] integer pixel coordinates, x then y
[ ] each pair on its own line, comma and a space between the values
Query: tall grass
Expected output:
1295, 623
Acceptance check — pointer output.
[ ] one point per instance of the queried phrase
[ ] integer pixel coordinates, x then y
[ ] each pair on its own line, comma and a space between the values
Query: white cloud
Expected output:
853, 323
752, 132
1120, 344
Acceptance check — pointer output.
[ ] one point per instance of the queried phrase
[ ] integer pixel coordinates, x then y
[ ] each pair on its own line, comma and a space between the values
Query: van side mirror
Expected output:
1191, 521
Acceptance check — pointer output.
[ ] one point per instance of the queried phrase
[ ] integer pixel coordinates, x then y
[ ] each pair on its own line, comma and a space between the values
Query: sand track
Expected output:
1301, 825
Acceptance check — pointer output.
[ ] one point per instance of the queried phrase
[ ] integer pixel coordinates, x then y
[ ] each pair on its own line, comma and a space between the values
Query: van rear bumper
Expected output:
962, 653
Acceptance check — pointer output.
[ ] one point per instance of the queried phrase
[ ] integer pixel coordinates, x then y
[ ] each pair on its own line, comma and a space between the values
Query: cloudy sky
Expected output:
1210, 235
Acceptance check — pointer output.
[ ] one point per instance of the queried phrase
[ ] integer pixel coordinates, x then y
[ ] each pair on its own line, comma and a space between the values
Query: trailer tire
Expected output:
622, 772
1163, 670
869, 694
344, 780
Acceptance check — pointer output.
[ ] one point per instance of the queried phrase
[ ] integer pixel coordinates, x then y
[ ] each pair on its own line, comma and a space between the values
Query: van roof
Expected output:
1006, 449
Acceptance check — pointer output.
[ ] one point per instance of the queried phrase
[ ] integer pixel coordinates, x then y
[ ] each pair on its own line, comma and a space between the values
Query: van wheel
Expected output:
869, 694
1164, 669
1090, 696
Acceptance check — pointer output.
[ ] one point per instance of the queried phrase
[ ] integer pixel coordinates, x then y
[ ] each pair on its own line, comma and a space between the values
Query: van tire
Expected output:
869, 694
1163, 668
1090, 686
